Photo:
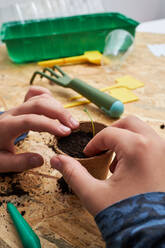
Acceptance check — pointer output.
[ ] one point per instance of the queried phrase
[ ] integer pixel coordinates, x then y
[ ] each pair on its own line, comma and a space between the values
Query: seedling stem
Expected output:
90, 117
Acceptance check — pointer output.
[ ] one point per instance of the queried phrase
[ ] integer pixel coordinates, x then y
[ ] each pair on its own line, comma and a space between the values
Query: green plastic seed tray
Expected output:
36, 40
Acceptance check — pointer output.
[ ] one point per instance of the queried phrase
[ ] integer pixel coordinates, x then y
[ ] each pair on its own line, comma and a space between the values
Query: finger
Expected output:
35, 91
24, 123
19, 162
75, 174
83, 184
134, 124
48, 106
112, 138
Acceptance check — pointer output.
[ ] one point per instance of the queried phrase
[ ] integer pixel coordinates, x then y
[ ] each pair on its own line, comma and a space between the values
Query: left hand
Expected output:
40, 112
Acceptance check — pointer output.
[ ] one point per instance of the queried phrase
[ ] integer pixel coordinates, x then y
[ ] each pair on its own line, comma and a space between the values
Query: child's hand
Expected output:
139, 165
39, 112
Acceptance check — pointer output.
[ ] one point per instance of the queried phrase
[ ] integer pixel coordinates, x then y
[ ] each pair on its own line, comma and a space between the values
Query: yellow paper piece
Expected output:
77, 103
124, 95
79, 96
129, 82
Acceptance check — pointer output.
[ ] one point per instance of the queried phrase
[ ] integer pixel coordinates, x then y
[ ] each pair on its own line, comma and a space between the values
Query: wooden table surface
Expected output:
60, 220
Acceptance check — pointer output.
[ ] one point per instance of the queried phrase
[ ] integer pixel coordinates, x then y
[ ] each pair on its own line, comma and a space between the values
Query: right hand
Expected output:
139, 165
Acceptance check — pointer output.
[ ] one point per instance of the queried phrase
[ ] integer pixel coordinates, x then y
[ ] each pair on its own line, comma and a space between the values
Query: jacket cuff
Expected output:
123, 220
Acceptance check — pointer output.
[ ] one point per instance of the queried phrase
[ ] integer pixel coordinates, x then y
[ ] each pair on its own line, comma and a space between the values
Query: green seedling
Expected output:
92, 123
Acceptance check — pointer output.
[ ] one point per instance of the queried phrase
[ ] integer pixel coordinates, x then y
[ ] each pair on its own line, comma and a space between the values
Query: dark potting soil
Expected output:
15, 189
74, 144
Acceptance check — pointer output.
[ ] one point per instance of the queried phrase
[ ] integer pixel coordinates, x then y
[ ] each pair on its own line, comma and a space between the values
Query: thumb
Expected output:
82, 183
19, 162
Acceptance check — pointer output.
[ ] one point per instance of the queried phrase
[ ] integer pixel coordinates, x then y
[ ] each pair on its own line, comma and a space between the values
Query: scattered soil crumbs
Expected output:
63, 186
11, 190
74, 144
12, 187
23, 213
162, 126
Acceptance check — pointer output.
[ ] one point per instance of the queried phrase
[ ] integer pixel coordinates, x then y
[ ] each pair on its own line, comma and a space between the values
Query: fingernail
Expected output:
36, 161
74, 122
85, 151
56, 163
64, 129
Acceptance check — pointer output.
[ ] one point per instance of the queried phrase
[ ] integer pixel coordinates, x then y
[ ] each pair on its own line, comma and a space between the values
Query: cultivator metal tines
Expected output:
61, 78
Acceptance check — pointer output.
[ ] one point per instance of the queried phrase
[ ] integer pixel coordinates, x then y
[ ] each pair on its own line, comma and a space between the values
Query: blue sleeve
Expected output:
137, 222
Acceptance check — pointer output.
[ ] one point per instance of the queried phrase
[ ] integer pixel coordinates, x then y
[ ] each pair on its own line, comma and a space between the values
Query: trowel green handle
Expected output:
27, 235
112, 106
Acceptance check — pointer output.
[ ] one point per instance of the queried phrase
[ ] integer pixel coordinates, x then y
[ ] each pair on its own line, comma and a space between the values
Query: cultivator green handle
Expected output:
113, 107
110, 105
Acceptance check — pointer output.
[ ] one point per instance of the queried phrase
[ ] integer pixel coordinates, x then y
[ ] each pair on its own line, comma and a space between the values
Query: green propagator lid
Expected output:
36, 40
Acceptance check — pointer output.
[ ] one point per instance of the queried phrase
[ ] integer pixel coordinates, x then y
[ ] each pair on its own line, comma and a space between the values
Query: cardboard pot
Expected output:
97, 166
